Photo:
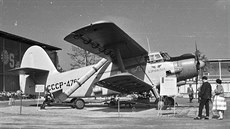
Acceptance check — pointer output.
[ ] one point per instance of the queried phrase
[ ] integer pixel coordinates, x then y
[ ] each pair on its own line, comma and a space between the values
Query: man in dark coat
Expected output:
190, 93
205, 95
48, 99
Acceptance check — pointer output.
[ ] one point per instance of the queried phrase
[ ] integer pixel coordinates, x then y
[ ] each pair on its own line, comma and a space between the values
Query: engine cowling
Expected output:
188, 69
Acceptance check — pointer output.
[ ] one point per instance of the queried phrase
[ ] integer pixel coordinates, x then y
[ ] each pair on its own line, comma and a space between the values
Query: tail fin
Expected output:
36, 58
36, 66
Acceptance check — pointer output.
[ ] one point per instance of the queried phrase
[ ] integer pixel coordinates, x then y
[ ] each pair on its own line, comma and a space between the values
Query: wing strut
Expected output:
119, 60
64, 95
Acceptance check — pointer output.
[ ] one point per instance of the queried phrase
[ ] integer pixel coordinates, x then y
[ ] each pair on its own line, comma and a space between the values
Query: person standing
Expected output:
190, 93
219, 103
205, 96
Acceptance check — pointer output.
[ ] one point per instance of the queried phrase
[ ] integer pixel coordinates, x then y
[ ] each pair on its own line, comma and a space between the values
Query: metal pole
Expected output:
118, 107
20, 103
3, 64
38, 98
220, 70
174, 105
196, 90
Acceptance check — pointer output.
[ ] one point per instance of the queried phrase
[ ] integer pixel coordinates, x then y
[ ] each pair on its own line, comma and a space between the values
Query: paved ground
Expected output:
100, 116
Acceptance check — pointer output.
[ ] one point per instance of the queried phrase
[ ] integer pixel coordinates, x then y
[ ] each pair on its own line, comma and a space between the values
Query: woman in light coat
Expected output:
219, 103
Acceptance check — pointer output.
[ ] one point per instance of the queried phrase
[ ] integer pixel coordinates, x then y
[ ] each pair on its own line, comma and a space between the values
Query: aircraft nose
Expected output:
202, 63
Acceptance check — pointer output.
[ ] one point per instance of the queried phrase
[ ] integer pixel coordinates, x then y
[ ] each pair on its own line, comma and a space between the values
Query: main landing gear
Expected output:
77, 103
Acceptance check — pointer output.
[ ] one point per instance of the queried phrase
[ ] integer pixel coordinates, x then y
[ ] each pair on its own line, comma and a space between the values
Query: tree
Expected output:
82, 58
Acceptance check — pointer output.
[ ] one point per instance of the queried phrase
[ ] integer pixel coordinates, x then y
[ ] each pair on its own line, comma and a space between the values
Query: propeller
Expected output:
198, 65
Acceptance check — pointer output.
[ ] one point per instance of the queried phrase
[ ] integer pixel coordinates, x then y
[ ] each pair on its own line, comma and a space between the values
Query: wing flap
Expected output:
103, 38
124, 83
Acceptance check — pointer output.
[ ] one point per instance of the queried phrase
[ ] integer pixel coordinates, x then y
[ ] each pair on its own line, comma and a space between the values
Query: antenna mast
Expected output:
148, 44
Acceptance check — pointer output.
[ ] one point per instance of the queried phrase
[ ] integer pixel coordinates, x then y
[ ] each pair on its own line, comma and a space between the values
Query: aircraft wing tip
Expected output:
92, 24
99, 22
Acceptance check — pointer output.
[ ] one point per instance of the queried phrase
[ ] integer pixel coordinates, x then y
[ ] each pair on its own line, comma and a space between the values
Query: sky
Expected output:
171, 26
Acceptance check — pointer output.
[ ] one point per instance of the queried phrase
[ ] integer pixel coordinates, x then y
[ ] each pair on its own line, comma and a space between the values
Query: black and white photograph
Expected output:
114, 64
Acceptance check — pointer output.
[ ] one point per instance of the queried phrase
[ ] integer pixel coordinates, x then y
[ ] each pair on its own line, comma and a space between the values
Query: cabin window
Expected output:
150, 59
158, 57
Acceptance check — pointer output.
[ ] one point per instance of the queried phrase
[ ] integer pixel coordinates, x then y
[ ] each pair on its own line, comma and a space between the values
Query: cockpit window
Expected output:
154, 57
151, 58
158, 56
165, 56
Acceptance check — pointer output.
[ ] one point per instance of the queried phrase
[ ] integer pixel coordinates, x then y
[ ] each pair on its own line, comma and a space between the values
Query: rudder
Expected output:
35, 68
35, 57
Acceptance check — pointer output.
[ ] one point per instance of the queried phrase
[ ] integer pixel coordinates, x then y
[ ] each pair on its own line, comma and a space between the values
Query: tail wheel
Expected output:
79, 103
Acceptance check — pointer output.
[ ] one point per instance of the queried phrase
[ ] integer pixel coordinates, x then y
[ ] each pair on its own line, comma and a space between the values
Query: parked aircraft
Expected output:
126, 67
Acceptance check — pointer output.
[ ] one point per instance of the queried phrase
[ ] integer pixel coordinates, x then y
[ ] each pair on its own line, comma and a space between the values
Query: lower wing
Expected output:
124, 83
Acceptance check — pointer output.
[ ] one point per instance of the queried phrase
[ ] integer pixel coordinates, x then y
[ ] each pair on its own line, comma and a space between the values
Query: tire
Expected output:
170, 101
112, 104
79, 103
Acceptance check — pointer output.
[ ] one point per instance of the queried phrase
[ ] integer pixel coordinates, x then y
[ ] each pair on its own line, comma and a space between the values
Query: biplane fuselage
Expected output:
150, 73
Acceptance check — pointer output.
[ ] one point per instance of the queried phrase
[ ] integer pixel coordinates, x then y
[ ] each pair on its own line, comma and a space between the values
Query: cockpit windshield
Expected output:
158, 57
165, 56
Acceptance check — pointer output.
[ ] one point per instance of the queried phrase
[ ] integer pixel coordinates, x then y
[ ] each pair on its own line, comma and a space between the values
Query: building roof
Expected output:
27, 41
219, 60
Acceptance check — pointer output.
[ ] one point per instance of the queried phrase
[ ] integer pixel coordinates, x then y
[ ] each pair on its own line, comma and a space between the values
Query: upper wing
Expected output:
103, 38
124, 83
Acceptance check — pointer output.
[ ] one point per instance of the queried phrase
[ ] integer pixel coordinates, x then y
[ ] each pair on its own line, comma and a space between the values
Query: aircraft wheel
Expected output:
79, 103
170, 101
111, 104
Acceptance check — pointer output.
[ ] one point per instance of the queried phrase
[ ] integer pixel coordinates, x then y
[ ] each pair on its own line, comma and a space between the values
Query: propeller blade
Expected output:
197, 58
196, 86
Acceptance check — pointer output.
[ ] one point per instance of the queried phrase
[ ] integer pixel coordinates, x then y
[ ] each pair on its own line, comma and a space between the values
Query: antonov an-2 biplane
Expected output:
125, 68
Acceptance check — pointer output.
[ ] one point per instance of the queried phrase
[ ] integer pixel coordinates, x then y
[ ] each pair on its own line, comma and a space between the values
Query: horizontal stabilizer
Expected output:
26, 70
124, 83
